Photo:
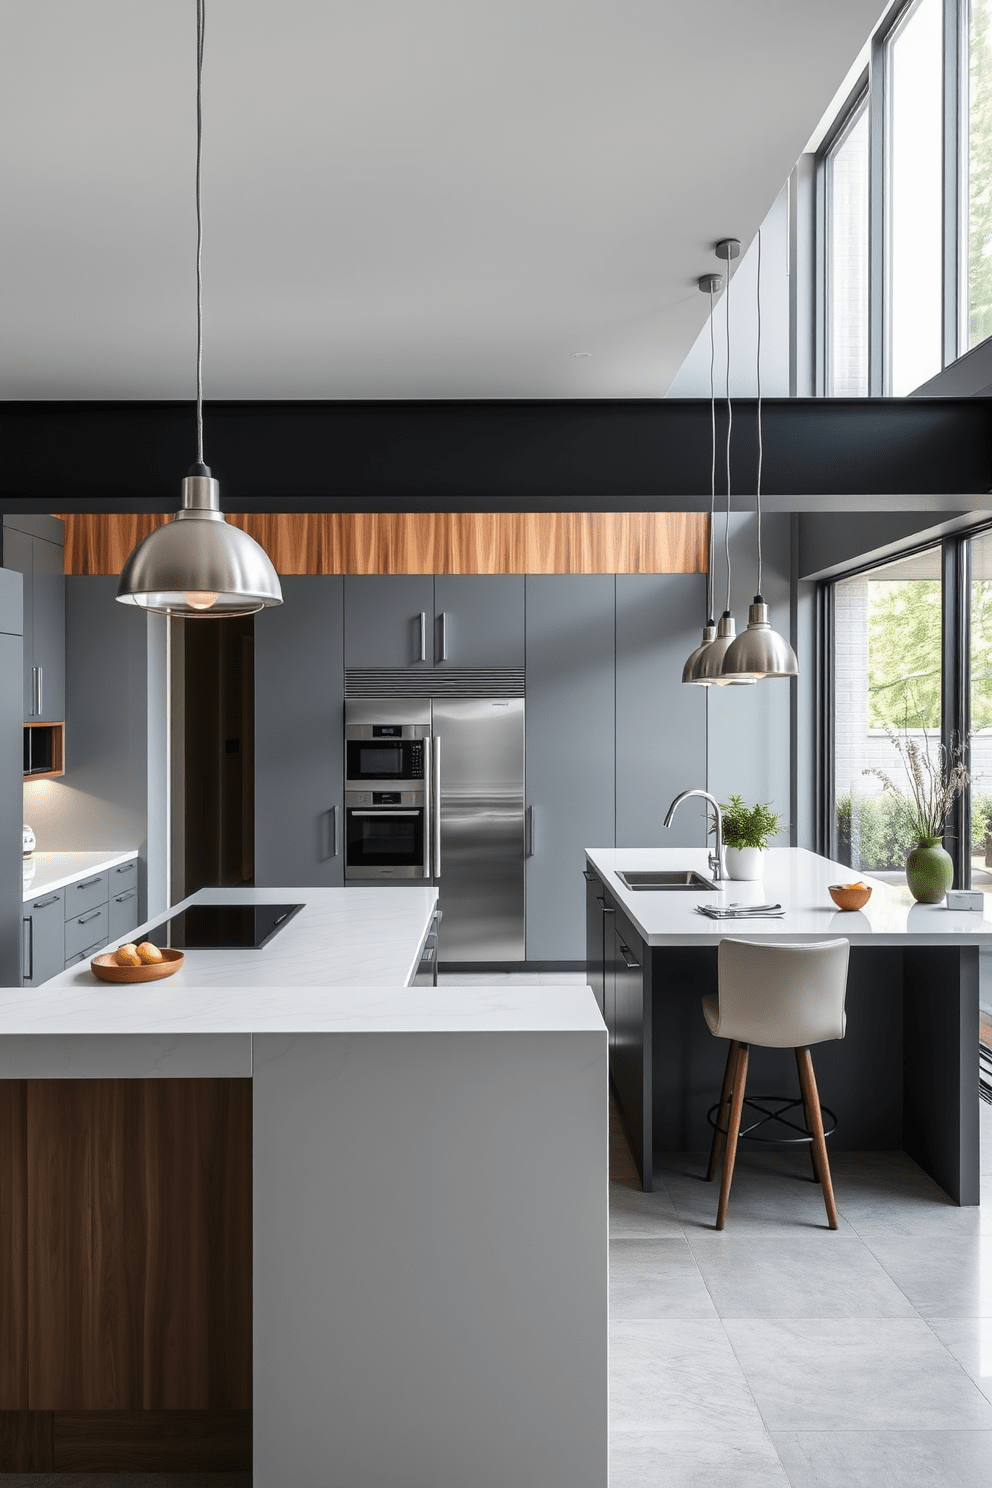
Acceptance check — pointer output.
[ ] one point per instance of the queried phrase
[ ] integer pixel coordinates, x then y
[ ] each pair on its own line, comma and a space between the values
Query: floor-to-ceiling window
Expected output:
846, 194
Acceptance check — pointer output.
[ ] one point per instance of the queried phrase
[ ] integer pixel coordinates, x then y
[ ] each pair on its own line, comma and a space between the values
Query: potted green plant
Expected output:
936, 779
747, 830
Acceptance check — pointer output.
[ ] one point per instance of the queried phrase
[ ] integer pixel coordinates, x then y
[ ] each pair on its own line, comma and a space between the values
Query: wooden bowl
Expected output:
106, 968
847, 898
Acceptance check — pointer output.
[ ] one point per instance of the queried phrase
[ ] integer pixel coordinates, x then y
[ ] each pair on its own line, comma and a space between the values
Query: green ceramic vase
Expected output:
929, 871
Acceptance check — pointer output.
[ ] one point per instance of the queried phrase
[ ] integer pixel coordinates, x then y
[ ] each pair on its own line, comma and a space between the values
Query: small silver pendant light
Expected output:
197, 565
709, 668
759, 652
709, 284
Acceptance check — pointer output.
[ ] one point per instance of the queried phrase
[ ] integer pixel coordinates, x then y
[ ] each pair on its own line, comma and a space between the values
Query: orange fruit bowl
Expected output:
105, 967
850, 896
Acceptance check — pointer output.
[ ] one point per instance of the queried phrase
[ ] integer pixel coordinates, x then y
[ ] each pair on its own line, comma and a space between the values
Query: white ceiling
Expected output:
402, 198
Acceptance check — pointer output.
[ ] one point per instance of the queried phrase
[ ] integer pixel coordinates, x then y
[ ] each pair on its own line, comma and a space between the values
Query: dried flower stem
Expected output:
934, 784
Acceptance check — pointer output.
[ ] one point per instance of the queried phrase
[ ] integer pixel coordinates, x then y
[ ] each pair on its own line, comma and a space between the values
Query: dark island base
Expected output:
905, 1076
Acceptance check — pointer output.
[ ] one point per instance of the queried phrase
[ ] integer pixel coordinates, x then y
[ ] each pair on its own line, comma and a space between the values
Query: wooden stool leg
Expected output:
724, 1112
733, 1128
812, 1098
806, 1117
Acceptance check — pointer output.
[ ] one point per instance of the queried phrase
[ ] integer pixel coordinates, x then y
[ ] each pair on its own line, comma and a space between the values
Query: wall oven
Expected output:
387, 801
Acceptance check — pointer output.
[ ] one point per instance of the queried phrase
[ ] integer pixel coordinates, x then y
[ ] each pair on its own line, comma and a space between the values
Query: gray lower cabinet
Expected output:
43, 944
661, 724
299, 736
87, 931
123, 914
597, 913
570, 751
478, 620
388, 620
33, 547
86, 894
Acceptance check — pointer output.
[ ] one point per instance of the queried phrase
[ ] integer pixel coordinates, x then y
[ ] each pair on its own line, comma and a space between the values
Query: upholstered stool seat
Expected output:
776, 997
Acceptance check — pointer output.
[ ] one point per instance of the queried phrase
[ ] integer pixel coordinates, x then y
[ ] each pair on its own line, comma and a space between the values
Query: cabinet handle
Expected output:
91, 916
423, 635
123, 898
27, 950
444, 635
606, 907
529, 846
631, 965
329, 844
336, 833
44, 903
34, 692
41, 706
128, 868
590, 877
87, 882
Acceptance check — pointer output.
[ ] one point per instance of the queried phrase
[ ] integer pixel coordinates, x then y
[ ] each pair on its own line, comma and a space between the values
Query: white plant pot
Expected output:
745, 863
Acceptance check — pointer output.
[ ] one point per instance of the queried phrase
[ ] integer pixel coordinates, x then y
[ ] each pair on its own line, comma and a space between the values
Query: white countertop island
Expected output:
429, 1189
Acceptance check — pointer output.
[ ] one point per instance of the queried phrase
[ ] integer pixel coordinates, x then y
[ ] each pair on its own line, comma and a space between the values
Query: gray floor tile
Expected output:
774, 1278
943, 1276
652, 1279
681, 1459
970, 1341
761, 1203
680, 1376
642, 1216
886, 1459
887, 1374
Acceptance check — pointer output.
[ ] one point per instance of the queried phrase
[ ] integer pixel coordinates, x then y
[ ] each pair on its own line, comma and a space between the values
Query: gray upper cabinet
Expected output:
479, 620
11, 789
570, 752
661, 725
33, 547
388, 620
299, 736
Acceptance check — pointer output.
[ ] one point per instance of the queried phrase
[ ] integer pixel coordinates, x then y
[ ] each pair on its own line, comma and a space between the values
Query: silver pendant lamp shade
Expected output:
760, 652
197, 565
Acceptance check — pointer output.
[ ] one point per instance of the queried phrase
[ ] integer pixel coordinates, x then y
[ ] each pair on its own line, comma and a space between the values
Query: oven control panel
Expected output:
384, 798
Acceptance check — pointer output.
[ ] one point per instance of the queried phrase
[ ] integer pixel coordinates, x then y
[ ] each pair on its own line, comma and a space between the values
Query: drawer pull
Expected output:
91, 916
87, 882
44, 903
128, 868
123, 898
631, 965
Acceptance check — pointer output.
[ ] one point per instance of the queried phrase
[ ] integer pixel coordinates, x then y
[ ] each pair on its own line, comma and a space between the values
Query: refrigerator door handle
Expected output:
428, 809
437, 806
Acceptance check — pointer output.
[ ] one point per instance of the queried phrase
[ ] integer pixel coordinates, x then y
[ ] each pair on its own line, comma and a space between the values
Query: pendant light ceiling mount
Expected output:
198, 565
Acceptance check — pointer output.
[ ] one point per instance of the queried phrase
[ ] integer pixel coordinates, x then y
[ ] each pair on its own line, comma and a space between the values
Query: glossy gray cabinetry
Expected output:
33, 547
478, 620
87, 931
123, 914
661, 725
596, 916
570, 751
388, 620
299, 735
43, 937
11, 786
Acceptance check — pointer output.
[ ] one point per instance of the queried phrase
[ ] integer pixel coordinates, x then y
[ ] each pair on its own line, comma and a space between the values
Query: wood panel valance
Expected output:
427, 542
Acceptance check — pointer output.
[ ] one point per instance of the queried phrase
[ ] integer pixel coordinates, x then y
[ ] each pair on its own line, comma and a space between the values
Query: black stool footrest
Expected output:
759, 1103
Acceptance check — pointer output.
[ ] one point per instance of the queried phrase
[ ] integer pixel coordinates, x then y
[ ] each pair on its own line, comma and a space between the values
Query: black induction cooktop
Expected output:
223, 927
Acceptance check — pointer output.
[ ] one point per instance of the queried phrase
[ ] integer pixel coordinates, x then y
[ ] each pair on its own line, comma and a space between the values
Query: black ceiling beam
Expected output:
518, 455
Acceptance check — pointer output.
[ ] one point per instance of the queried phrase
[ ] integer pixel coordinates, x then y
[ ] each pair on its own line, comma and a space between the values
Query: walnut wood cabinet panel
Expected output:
125, 1273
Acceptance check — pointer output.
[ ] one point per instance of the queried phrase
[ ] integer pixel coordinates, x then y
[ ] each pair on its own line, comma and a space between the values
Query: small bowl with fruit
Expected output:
136, 963
850, 895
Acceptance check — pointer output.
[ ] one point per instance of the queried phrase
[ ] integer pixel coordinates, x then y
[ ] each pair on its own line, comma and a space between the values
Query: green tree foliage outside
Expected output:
873, 834
904, 654
980, 174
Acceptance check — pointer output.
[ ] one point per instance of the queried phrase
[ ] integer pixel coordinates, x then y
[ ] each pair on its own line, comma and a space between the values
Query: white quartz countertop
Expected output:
45, 871
340, 938
797, 880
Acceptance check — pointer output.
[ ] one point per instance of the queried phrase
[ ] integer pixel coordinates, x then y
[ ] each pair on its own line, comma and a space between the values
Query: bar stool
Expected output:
777, 997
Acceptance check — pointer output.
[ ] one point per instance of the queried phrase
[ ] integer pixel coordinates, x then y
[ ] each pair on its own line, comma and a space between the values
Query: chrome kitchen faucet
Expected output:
717, 862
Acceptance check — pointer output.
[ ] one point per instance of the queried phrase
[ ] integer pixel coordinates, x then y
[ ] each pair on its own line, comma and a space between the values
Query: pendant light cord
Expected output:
760, 445
709, 573
200, 26
730, 425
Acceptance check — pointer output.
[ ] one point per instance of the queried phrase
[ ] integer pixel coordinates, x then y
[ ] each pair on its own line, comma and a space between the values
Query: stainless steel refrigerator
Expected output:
474, 817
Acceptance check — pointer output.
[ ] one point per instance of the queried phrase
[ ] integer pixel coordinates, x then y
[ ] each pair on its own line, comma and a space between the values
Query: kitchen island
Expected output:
905, 1075
284, 1193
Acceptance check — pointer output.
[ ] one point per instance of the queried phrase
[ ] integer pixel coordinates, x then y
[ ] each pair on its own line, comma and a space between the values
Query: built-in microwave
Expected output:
385, 752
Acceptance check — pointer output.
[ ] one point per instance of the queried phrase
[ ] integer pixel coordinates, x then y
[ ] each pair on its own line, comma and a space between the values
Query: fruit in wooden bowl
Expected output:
110, 969
850, 896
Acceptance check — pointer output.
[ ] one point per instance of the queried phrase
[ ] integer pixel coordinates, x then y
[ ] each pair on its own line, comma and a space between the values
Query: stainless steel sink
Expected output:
664, 878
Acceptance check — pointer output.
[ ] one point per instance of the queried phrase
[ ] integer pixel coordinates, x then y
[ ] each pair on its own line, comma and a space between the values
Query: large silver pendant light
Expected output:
709, 668
709, 284
197, 565
759, 652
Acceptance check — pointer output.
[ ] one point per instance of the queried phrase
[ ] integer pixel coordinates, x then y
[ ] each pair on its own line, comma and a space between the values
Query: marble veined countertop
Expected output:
794, 878
44, 871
